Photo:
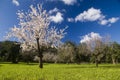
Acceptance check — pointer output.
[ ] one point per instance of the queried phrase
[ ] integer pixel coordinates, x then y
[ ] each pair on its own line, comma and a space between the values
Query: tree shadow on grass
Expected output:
5, 62
93, 66
110, 66
37, 64
23, 63
80, 67
19, 63
32, 64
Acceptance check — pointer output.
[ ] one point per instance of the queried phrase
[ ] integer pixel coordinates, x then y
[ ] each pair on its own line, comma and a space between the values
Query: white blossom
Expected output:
36, 24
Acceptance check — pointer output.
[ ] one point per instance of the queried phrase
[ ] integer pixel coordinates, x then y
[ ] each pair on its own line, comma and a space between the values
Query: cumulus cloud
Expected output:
70, 20
109, 21
104, 22
90, 37
58, 18
53, 10
15, 2
51, 0
69, 2
93, 14
56, 15
56, 10
113, 19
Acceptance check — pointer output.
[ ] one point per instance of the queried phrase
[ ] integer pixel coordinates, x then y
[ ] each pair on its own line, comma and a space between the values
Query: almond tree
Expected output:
34, 31
95, 44
114, 51
66, 52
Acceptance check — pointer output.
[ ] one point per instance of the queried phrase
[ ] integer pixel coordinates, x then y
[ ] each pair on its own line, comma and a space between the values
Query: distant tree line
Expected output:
69, 52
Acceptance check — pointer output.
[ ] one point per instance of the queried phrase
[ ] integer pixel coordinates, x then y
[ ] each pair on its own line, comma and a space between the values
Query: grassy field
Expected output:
23, 71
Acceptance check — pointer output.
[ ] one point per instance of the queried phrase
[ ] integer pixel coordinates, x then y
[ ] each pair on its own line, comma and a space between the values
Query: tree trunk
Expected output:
41, 62
96, 61
113, 60
40, 54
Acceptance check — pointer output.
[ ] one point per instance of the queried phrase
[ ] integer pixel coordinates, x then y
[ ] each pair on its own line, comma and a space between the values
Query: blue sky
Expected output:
82, 16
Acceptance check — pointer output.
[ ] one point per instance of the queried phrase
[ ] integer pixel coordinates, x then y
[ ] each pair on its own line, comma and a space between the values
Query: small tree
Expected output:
66, 53
94, 44
114, 52
34, 31
28, 56
83, 53
9, 51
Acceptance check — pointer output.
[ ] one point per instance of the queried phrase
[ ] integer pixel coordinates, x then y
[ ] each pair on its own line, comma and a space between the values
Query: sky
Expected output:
84, 18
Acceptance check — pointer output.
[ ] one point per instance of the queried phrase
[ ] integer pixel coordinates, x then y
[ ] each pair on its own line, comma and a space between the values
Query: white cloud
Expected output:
51, 0
109, 21
113, 19
63, 10
70, 20
15, 2
104, 22
56, 10
90, 37
69, 2
56, 15
53, 10
58, 18
91, 14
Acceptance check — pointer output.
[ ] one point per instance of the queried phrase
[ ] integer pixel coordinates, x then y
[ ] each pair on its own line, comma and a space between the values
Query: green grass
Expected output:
23, 71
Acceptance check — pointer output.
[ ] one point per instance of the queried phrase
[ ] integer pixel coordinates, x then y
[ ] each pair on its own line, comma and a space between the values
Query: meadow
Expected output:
22, 71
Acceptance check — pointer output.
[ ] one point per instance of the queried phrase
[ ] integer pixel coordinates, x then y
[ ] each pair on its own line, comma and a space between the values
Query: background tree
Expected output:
114, 51
14, 52
82, 54
51, 55
34, 31
28, 56
95, 44
9, 51
66, 53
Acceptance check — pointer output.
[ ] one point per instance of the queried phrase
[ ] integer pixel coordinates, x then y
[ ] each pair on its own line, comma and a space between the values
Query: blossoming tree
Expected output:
34, 31
95, 44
